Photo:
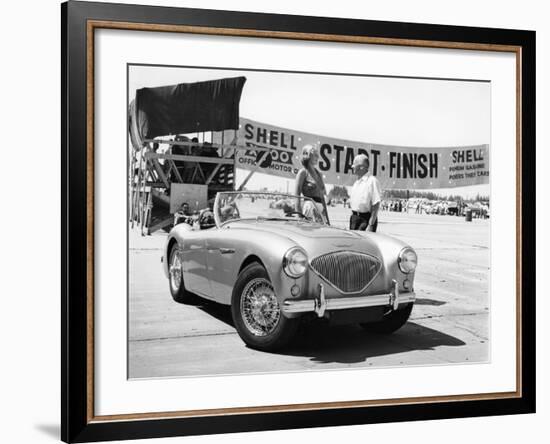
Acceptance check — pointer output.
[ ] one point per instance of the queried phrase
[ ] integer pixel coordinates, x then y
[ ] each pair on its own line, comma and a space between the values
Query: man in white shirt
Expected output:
365, 197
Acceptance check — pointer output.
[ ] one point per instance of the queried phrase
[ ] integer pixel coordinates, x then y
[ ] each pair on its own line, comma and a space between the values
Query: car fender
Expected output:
269, 248
389, 249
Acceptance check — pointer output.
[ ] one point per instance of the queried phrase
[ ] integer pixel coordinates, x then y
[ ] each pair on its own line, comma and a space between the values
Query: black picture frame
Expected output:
77, 422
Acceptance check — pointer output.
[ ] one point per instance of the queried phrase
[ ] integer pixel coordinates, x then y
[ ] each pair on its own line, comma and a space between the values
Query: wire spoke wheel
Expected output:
175, 270
258, 317
259, 308
176, 277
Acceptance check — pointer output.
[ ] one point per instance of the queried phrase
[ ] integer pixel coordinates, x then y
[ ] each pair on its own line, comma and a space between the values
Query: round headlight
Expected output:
407, 260
295, 262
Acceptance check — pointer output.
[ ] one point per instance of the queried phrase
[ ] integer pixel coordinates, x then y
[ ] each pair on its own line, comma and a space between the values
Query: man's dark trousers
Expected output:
360, 221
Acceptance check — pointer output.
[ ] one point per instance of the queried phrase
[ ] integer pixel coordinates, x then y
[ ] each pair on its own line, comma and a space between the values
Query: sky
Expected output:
381, 110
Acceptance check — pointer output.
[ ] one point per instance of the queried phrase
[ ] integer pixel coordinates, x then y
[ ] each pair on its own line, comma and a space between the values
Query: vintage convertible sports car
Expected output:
274, 265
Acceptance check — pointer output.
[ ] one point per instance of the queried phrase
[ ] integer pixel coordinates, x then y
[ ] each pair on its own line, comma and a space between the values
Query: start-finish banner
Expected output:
394, 166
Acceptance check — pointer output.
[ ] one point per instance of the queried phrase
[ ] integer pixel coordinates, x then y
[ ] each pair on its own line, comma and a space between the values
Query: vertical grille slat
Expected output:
349, 272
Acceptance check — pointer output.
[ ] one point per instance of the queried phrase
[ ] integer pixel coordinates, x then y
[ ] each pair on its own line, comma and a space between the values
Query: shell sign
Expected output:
395, 166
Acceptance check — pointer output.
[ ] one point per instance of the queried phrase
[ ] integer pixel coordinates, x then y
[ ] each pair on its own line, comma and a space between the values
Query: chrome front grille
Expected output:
349, 272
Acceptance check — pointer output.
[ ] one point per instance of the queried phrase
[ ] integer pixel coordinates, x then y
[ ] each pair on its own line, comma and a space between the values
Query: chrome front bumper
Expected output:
321, 304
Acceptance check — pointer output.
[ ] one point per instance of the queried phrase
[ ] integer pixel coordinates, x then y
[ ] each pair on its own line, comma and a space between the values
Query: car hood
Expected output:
318, 239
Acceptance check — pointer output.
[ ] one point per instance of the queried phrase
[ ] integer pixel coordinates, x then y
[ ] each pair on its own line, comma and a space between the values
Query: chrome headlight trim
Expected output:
407, 260
295, 262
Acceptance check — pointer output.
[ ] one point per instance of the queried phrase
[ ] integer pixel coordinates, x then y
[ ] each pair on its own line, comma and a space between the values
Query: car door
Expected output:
195, 268
222, 260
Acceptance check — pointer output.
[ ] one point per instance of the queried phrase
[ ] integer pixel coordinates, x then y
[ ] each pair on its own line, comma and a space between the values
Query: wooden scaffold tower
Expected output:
182, 137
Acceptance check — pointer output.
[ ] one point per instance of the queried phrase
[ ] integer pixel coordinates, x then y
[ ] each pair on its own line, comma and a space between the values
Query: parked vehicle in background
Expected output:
451, 208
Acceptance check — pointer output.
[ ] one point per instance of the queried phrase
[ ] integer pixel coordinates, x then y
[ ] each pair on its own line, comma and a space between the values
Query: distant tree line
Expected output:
338, 192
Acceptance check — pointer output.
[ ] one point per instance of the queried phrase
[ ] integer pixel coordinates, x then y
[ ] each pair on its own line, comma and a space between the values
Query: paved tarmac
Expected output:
449, 323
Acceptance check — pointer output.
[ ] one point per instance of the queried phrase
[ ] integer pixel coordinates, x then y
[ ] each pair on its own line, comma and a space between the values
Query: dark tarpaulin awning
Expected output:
212, 105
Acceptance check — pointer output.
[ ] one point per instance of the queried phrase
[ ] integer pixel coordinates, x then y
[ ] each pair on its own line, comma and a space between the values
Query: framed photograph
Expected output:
275, 221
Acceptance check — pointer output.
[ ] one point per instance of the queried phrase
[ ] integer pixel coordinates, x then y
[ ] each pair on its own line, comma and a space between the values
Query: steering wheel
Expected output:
298, 213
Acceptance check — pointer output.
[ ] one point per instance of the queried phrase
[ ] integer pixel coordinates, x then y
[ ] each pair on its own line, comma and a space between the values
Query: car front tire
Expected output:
391, 322
256, 312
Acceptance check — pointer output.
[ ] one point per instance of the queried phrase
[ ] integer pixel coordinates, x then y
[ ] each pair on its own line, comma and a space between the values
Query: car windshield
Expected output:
240, 205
